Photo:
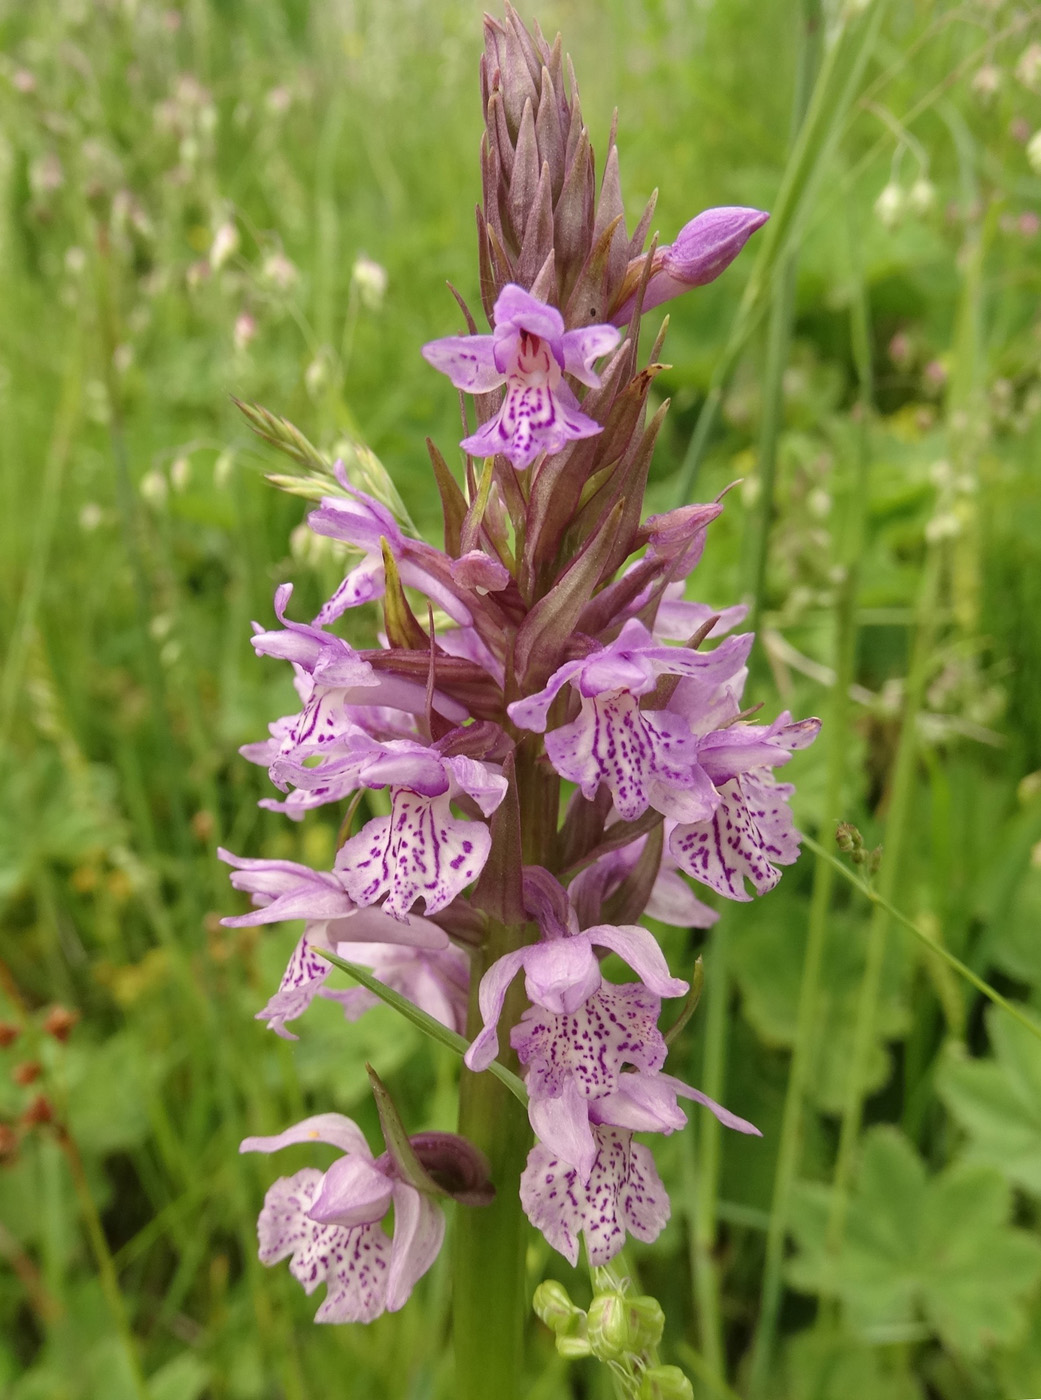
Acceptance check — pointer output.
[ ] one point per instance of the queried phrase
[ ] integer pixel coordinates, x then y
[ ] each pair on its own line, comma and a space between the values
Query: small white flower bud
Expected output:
370, 278
921, 196
180, 473
154, 488
890, 205
225, 245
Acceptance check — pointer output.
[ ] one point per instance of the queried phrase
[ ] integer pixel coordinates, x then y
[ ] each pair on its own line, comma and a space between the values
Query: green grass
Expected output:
882, 1239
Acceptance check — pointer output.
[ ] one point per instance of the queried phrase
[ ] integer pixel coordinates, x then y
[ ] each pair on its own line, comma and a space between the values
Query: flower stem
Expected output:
488, 1299
488, 1285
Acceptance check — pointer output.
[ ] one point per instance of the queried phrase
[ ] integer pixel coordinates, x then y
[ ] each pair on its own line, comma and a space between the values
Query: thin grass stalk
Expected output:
962, 401
901, 793
841, 69
709, 1151
836, 727
706, 1272
169, 772
66, 425
107, 1276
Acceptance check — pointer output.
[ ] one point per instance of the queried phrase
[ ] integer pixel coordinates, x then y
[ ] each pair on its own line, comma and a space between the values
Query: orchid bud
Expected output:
703, 249
665, 1383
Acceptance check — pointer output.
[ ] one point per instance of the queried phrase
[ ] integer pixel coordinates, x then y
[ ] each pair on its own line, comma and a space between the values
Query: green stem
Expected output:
103, 1259
900, 797
706, 1185
489, 1304
790, 1148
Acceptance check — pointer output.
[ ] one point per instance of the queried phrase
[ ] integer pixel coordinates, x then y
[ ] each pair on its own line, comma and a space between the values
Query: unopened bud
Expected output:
38, 1112
573, 1348
553, 1305
921, 196
8, 1142
28, 1072
9, 1033
848, 838
1034, 152
874, 861
610, 1335
665, 1383
59, 1022
890, 205
225, 245
647, 1321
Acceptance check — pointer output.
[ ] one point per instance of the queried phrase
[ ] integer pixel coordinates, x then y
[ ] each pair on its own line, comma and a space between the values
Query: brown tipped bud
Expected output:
40, 1111
59, 1022
27, 1072
538, 178
9, 1033
848, 838
9, 1142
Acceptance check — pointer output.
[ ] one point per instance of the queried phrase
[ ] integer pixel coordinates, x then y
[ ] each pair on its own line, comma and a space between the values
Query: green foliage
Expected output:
998, 1102
916, 1247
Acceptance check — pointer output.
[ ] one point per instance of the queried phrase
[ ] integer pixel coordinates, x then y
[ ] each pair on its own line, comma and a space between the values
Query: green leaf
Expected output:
916, 1248
767, 957
822, 1363
998, 1101
426, 1023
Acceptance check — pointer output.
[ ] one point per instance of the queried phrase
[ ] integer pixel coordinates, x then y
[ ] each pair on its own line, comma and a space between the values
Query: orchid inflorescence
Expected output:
563, 672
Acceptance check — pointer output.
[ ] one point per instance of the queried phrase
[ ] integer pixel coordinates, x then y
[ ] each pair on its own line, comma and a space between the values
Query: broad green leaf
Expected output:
998, 1101
825, 1364
767, 956
916, 1248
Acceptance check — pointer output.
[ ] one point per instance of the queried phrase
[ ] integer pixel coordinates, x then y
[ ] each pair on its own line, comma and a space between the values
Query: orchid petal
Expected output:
332, 1128
419, 1230
638, 947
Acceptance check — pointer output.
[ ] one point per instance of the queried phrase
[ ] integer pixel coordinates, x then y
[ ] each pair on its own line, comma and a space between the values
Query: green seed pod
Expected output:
665, 1383
553, 1305
611, 1334
647, 1321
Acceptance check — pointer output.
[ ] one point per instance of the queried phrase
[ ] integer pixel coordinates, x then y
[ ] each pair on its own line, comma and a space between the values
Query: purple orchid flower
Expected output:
704, 248
751, 831
363, 522
529, 352
328, 1224
647, 758
577, 1077
284, 890
561, 973
421, 850
623, 1193
671, 901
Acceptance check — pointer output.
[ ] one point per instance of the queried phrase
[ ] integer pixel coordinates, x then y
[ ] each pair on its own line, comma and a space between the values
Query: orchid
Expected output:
553, 665
561, 974
622, 1194
529, 352
703, 249
328, 1224
647, 758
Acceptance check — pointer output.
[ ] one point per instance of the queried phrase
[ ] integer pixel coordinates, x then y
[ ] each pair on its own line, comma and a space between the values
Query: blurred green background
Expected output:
191, 200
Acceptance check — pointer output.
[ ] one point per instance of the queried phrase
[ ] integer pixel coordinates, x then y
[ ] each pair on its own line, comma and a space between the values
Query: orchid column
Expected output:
561, 740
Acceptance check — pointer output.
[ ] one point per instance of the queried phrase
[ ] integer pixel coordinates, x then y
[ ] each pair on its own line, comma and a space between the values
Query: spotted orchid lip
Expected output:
529, 352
